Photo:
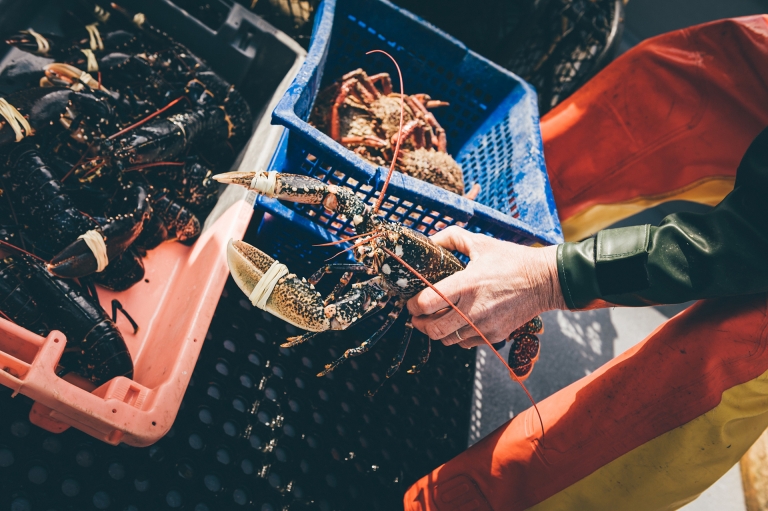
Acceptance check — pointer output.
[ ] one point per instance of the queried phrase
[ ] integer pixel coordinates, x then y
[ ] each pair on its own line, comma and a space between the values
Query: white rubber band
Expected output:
266, 285
18, 123
264, 183
95, 242
100, 13
89, 80
92, 63
139, 19
93, 32
42, 43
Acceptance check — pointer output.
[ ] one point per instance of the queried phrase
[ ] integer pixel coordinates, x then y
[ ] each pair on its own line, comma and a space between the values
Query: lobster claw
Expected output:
80, 259
247, 264
39, 106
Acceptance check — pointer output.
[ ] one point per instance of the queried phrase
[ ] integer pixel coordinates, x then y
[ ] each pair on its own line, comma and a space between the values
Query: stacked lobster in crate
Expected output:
105, 156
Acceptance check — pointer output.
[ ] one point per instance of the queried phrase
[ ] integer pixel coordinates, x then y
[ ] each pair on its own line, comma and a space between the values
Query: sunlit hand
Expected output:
503, 286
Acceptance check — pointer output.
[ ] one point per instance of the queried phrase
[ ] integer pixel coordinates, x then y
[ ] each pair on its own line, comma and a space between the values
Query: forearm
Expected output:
687, 257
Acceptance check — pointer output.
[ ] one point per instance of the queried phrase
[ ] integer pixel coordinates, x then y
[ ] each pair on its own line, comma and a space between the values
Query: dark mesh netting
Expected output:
572, 40
556, 45
294, 17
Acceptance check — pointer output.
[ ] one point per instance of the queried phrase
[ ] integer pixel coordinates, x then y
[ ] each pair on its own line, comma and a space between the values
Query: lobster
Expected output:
40, 201
400, 260
35, 299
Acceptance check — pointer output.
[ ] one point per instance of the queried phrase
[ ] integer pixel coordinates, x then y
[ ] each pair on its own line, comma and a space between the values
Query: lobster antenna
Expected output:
155, 164
471, 324
343, 240
147, 118
19, 249
79, 162
356, 245
397, 145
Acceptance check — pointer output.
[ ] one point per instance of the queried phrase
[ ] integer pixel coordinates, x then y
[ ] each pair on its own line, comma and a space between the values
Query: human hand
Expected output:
503, 286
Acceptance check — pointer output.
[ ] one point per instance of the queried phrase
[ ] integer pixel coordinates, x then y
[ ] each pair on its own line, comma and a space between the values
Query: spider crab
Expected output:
362, 113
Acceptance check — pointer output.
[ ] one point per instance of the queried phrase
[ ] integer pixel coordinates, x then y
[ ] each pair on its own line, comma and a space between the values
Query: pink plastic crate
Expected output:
173, 307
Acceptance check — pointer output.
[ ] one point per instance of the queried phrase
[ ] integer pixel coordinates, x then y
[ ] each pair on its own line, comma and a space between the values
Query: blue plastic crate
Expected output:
492, 125
289, 237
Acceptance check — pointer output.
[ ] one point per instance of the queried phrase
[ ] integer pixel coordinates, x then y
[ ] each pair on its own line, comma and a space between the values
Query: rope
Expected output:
266, 285
92, 63
42, 43
264, 183
96, 243
93, 33
139, 19
18, 123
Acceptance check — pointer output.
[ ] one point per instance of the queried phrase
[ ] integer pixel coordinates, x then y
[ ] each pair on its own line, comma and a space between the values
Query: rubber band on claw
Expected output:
266, 285
264, 183
18, 123
43, 46
95, 242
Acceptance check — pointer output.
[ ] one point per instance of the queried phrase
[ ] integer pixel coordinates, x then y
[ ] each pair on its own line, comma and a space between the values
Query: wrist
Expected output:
549, 291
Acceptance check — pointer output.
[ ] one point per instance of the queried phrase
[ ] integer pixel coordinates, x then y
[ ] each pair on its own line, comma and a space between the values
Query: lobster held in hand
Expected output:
380, 248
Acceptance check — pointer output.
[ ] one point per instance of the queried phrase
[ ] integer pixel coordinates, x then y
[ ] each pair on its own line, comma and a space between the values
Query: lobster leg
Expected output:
349, 271
401, 351
330, 268
423, 356
370, 342
295, 341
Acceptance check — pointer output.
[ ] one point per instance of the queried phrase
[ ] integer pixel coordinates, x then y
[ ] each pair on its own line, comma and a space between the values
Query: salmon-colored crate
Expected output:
173, 306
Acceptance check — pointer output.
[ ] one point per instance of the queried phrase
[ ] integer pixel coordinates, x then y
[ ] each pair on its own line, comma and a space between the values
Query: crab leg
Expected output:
429, 102
412, 128
386, 82
421, 111
366, 141
359, 76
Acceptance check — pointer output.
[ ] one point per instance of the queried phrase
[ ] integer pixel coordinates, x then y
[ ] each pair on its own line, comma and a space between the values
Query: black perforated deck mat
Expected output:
257, 429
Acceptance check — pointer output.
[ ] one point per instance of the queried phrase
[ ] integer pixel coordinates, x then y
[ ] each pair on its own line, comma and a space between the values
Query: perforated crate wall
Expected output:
491, 124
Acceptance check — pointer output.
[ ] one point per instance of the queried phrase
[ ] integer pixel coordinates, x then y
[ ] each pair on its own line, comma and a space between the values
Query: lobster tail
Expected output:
16, 303
180, 222
104, 354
